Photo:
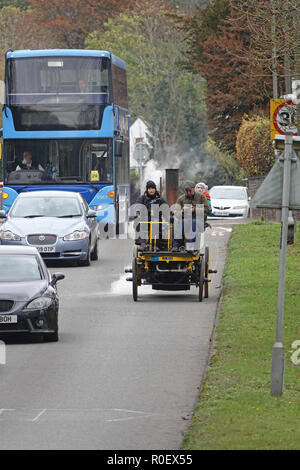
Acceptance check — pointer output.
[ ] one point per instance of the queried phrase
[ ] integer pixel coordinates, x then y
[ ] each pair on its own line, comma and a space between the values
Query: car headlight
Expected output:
240, 207
8, 235
39, 303
77, 235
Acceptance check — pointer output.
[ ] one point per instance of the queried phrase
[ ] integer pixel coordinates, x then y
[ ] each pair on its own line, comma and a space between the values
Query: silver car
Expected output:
59, 224
229, 201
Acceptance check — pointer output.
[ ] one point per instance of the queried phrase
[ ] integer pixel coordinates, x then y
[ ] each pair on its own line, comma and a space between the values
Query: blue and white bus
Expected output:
66, 126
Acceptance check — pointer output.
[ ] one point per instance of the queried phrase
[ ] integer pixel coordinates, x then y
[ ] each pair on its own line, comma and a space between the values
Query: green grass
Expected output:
235, 409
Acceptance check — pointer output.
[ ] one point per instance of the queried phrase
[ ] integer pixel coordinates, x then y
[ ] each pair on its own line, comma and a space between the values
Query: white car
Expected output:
229, 201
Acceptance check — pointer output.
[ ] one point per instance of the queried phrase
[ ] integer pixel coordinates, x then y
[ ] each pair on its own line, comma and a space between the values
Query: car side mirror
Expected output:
56, 277
91, 214
2, 214
249, 198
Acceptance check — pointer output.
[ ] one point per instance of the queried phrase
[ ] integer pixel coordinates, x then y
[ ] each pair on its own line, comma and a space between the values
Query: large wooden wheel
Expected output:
134, 280
206, 271
201, 278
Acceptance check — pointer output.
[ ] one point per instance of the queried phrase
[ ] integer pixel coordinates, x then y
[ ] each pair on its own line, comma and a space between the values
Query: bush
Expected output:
254, 149
224, 169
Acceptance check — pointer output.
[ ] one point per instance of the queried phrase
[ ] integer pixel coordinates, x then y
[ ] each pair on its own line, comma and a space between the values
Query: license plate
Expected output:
222, 213
46, 249
8, 319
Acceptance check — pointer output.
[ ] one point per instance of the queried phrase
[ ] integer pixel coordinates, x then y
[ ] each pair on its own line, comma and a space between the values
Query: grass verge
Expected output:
235, 409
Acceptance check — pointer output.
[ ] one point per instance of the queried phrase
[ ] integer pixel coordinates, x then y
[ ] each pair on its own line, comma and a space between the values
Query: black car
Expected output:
28, 295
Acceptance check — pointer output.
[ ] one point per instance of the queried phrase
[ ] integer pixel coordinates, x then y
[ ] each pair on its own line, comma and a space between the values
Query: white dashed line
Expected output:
39, 415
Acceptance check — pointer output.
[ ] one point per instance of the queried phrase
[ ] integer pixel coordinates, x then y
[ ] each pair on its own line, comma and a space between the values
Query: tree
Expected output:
71, 20
274, 34
224, 167
21, 4
187, 5
254, 149
168, 96
19, 30
208, 20
222, 58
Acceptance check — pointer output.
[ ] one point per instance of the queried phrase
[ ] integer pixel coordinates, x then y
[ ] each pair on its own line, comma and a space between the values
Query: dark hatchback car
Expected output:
28, 295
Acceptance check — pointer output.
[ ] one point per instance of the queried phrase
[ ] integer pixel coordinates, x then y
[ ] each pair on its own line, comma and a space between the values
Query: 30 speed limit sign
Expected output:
282, 117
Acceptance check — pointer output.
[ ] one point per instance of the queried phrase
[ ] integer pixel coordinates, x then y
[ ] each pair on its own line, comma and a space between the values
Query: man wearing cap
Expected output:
188, 202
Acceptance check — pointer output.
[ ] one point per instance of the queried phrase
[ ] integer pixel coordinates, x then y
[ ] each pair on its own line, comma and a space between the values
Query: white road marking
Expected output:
6, 409
39, 415
21, 413
128, 411
117, 420
224, 228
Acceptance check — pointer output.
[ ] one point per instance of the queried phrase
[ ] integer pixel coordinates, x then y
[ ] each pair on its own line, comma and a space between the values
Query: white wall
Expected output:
138, 130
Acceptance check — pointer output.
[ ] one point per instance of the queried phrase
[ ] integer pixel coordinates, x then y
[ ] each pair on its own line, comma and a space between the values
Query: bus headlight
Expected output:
77, 235
10, 236
98, 208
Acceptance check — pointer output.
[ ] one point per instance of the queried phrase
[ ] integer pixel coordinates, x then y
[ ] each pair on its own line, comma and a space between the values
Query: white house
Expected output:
140, 142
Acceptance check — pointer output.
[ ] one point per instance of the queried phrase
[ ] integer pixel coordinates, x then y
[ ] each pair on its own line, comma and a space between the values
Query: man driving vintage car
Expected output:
150, 197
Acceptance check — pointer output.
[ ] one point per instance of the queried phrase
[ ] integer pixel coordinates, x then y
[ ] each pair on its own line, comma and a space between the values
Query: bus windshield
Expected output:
63, 161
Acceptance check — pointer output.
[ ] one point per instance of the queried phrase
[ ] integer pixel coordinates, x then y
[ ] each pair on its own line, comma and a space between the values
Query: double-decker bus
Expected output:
66, 126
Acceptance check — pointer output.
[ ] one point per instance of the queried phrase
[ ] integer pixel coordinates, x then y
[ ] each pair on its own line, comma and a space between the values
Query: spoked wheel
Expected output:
201, 278
134, 280
206, 270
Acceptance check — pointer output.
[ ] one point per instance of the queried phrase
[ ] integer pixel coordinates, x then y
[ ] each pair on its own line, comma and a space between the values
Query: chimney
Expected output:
172, 182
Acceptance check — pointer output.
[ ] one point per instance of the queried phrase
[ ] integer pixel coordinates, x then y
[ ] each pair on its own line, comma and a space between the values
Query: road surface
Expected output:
124, 374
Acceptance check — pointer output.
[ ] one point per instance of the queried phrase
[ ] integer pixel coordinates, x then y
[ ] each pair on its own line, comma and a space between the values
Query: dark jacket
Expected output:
147, 201
23, 166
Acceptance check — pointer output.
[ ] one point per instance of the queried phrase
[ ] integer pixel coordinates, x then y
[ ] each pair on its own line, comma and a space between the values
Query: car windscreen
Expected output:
19, 268
45, 206
228, 193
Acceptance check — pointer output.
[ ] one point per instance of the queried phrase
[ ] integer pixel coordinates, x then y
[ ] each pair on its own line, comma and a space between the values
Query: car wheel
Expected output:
94, 254
87, 261
51, 337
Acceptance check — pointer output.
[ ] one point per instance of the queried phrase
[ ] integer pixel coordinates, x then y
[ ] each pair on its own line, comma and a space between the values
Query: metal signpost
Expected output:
278, 358
281, 190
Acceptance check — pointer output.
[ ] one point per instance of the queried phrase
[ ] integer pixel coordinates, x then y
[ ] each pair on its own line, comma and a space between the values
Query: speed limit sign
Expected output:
282, 117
